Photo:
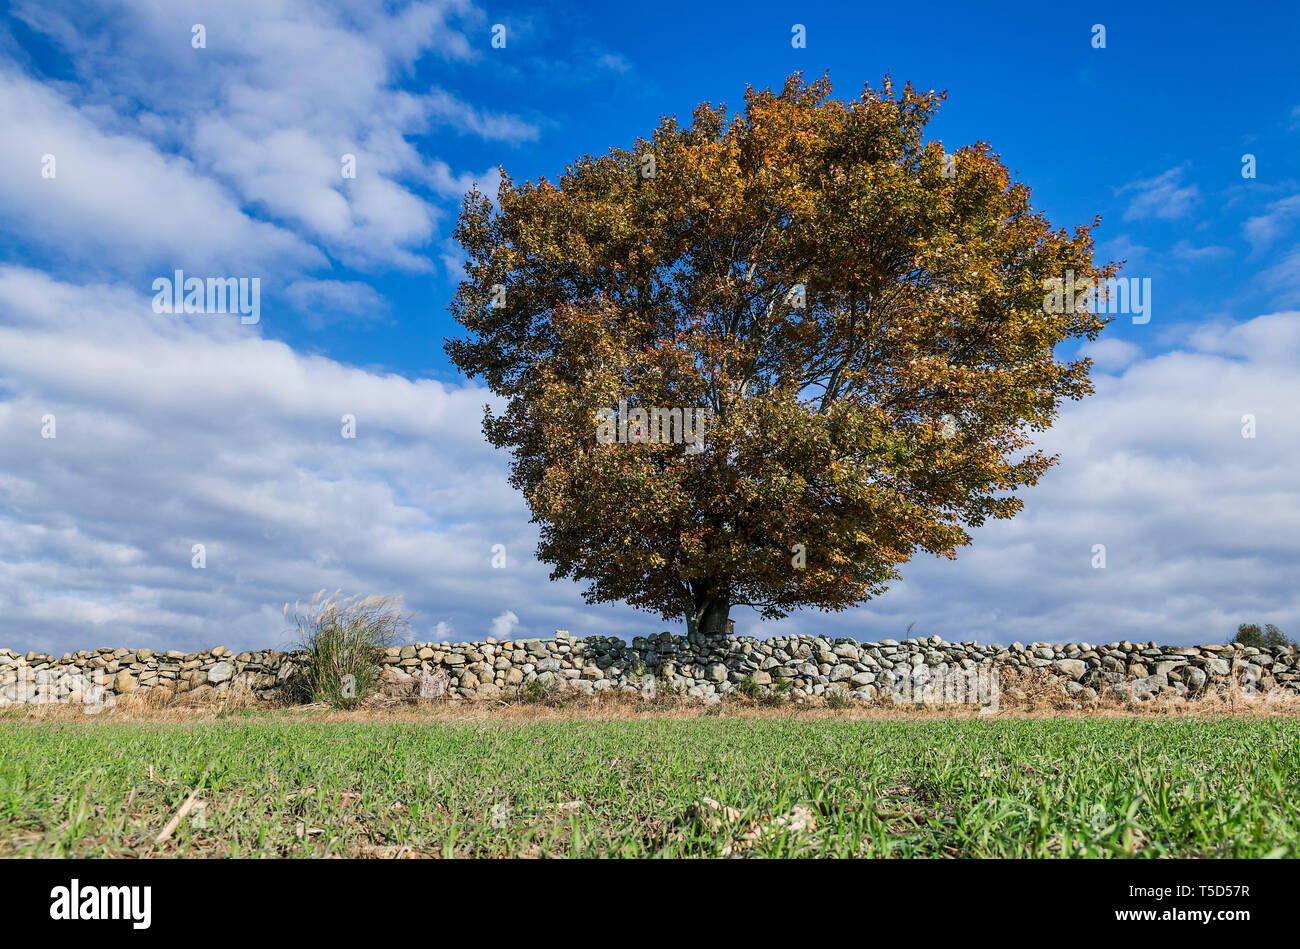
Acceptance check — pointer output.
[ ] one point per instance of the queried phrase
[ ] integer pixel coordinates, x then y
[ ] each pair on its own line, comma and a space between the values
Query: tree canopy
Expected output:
860, 311
1270, 637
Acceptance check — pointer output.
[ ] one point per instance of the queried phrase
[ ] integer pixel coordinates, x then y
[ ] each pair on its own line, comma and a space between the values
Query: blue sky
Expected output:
224, 160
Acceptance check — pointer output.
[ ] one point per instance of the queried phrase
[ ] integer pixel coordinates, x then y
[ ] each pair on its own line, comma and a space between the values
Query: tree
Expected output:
1270, 637
861, 314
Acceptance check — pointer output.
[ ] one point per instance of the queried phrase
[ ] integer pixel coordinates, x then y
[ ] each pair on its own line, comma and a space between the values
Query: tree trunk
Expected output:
710, 617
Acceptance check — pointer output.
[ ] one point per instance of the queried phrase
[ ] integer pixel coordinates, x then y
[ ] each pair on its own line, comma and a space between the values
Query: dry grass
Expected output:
343, 642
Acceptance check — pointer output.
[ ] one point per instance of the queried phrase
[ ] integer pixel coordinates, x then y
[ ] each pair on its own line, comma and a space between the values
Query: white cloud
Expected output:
330, 301
1199, 523
489, 125
615, 62
1185, 250
453, 259
1266, 339
1110, 354
455, 186
118, 198
1263, 229
1283, 278
1163, 197
283, 90
503, 625
173, 431
177, 430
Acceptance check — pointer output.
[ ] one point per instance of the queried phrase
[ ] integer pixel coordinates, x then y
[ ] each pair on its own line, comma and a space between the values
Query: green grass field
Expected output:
781, 786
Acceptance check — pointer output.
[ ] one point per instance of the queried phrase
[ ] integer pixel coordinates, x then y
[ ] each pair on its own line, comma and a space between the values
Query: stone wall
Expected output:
803, 668
100, 676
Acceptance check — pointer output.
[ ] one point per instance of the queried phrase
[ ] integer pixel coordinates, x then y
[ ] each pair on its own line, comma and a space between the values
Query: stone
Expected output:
221, 672
434, 685
1169, 665
1145, 687
815, 665
1074, 668
1216, 666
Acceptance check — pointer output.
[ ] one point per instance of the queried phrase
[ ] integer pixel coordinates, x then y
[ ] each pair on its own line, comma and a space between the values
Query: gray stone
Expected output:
816, 664
221, 672
1216, 666
1166, 666
1074, 668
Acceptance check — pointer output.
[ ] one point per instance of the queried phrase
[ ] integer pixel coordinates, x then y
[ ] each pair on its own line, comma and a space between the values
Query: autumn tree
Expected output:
860, 311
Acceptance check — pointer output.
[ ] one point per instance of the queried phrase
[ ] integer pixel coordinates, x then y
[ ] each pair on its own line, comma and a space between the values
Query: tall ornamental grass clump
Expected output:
344, 641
